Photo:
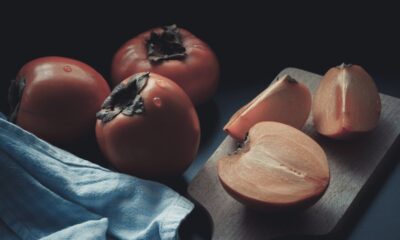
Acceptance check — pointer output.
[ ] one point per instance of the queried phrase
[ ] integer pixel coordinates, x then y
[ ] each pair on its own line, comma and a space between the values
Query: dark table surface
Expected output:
377, 217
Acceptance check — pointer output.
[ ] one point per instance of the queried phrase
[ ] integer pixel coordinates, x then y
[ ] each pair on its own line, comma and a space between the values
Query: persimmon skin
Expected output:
285, 100
60, 99
159, 143
346, 104
279, 168
197, 74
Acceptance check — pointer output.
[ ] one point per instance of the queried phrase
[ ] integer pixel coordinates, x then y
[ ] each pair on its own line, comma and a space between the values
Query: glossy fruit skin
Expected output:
347, 103
197, 73
60, 99
159, 143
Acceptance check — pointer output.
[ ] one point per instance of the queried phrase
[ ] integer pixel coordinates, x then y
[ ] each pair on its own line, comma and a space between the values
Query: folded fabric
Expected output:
48, 193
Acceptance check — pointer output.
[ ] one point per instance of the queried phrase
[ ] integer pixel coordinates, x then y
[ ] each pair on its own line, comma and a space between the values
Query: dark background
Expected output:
253, 41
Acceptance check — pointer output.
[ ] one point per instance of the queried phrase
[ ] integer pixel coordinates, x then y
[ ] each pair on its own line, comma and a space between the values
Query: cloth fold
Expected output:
46, 192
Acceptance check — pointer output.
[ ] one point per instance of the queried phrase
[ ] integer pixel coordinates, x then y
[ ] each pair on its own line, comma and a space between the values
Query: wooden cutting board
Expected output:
352, 163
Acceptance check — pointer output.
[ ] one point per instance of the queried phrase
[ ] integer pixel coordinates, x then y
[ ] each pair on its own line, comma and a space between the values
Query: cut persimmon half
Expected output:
277, 168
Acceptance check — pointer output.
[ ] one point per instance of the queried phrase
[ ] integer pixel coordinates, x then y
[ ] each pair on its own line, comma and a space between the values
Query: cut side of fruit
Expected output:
346, 103
286, 101
278, 168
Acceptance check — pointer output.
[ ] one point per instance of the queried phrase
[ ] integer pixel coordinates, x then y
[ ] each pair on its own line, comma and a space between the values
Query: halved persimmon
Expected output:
277, 168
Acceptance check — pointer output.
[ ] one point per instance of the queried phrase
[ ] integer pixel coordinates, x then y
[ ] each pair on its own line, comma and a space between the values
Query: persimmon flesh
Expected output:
286, 100
346, 103
277, 168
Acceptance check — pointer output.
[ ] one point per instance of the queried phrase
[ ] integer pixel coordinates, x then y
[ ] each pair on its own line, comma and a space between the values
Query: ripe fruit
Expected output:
148, 127
286, 101
277, 168
346, 103
57, 98
174, 53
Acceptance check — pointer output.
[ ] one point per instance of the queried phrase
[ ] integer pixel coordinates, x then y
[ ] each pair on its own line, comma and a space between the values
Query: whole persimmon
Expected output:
174, 53
148, 127
56, 98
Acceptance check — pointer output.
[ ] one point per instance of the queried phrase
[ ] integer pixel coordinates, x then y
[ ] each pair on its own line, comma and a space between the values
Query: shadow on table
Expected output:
198, 225
209, 121
367, 194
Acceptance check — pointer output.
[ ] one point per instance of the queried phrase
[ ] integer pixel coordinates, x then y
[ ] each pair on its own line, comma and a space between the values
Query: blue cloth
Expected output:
48, 193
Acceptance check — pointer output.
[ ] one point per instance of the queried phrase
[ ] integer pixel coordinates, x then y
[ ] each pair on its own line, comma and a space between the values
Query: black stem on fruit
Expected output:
166, 45
15, 92
344, 65
291, 80
125, 98
241, 144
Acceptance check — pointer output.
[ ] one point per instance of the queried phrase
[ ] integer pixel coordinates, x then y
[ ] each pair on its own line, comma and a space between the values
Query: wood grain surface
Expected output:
352, 163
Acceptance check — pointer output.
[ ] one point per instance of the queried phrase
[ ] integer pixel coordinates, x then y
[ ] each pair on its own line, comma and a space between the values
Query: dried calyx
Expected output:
344, 65
14, 96
166, 45
289, 79
241, 146
125, 99
286, 78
